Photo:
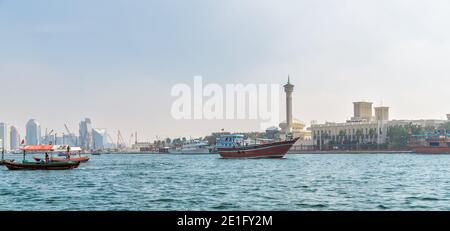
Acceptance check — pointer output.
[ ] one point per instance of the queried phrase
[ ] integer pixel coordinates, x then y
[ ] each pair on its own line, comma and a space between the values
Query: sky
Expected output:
116, 61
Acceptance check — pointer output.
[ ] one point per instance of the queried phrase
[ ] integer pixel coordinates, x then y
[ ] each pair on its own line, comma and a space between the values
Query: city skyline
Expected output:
68, 63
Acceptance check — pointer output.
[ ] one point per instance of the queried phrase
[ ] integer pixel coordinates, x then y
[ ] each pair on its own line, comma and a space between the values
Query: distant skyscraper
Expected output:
33, 136
4, 136
86, 134
99, 138
15, 138
70, 139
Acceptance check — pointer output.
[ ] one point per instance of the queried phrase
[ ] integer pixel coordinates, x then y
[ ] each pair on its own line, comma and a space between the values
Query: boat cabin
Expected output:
432, 141
230, 141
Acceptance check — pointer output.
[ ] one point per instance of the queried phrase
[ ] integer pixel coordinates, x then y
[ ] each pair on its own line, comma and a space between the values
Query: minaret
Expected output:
289, 88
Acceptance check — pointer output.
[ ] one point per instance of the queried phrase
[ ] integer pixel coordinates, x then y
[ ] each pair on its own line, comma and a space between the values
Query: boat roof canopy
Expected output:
48, 148
37, 148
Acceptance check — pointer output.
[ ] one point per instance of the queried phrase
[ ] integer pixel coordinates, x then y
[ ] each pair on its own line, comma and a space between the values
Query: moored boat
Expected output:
430, 144
193, 147
234, 146
96, 152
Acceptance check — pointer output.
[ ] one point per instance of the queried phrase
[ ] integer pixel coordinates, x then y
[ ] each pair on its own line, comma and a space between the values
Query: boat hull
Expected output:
2, 161
271, 150
431, 150
56, 159
190, 152
41, 166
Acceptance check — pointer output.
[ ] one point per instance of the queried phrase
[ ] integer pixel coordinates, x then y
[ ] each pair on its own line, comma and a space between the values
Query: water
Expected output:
199, 182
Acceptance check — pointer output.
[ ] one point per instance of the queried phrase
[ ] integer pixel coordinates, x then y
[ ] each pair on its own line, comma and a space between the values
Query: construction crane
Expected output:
70, 135
48, 134
120, 141
131, 139
110, 138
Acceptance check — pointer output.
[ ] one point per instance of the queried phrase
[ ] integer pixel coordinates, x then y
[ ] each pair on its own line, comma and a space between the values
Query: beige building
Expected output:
297, 129
350, 132
362, 111
382, 114
363, 128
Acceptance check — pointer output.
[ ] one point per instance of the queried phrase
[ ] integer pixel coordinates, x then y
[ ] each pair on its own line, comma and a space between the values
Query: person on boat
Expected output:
68, 153
47, 159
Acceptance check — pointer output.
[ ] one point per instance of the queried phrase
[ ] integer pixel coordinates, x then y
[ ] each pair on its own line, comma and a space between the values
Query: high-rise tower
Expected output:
33, 132
14, 138
4, 136
86, 134
289, 88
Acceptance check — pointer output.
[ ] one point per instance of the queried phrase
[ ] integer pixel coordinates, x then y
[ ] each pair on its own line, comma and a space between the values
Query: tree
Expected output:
445, 126
398, 136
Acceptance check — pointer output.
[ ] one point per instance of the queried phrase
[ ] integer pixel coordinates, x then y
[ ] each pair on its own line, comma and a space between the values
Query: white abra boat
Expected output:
193, 147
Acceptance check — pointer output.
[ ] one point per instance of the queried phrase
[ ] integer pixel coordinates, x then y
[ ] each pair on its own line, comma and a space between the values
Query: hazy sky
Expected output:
115, 61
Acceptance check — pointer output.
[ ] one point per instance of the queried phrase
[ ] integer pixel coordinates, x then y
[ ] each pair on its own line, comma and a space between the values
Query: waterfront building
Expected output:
33, 132
297, 129
362, 129
14, 138
86, 134
144, 147
348, 133
4, 136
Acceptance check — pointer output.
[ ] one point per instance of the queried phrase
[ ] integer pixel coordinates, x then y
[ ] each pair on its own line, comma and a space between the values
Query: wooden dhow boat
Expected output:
3, 157
39, 165
234, 146
25, 165
70, 153
60, 159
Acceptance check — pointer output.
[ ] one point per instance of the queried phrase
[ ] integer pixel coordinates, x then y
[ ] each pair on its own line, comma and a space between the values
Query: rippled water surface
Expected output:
200, 182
